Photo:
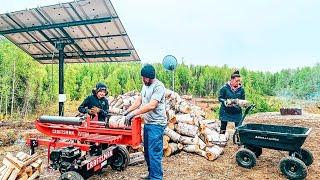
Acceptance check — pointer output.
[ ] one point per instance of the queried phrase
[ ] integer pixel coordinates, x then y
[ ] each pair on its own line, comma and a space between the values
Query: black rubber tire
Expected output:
256, 150
120, 158
246, 158
305, 155
71, 175
293, 168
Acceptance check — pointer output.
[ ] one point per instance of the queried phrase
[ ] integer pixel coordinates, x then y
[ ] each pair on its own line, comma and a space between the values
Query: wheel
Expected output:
71, 175
293, 168
246, 158
120, 158
305, 155
256, 150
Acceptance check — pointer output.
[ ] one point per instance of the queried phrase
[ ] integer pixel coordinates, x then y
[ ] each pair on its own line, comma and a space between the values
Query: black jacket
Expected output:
93, 100
233, 114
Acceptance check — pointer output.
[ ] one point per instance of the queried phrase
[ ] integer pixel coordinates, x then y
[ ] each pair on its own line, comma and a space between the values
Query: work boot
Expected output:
145, 176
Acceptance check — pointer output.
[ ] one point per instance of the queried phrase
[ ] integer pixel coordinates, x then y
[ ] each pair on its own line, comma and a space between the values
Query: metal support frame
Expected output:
58, 25
60, 47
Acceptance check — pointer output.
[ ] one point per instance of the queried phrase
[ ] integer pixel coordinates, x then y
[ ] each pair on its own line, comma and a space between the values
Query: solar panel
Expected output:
90, 30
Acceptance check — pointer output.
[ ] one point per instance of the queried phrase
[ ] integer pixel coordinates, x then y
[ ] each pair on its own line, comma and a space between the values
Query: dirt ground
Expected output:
190, 166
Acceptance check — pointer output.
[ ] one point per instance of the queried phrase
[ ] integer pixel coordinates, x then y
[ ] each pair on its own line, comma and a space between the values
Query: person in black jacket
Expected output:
97, 103
230, 111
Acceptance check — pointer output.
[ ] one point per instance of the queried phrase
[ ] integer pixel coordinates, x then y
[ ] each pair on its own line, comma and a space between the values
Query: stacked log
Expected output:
22, 166
187, 129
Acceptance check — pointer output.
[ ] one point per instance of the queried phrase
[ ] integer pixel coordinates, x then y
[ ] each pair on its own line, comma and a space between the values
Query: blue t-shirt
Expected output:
155, 91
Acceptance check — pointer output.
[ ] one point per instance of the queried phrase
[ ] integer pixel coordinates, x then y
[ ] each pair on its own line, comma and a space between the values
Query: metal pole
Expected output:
61, 77
173, 80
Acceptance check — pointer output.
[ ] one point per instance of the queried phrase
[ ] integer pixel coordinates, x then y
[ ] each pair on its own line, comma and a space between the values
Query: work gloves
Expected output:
128, 118
94, 110
124, 113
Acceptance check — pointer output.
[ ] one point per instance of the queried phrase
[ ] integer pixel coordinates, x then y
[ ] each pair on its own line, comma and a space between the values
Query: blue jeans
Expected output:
153, 149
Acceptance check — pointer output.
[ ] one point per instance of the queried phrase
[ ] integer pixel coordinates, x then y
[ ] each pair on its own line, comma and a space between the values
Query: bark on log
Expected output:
202, 145
202, 153
172, 134
191, 148
34, 175
115, 110
213, 152
117, 122
186, 129
188, 140
173, 148
185, 118
183, 107
171, 116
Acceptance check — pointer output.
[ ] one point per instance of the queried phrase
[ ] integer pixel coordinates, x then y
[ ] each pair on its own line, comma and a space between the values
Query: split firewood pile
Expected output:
22, 166
187, 129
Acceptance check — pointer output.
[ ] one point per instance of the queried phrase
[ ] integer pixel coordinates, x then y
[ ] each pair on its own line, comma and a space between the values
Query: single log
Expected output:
23, 176
191, 148
117, 122
186, 129
213, 152
4, 171
173, 148
14, 174
185, 118
165, 144
242, 103
34, 175
33, 158
28, 170
7, 174
183, 107
13, 160
188, 140
115, 110
167, 138
3, 168
202, 153
171, 116
114, 101
170, 126
172, 134
119, 103
37, 164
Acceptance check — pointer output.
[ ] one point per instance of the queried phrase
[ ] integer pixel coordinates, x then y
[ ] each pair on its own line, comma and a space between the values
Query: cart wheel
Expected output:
246, 158
305, 155
293, 168
120, 159
256, 150
71, 175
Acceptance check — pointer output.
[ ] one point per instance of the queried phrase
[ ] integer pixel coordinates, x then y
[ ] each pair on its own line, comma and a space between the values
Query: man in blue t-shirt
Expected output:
151, 103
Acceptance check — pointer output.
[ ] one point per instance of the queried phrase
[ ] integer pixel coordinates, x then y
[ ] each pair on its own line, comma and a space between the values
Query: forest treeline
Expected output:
26, 84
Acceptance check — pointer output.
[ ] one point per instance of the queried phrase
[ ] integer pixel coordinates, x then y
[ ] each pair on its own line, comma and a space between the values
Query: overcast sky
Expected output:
266, 35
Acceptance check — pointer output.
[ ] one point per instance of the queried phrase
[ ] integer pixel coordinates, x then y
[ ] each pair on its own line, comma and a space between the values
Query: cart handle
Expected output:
248, 109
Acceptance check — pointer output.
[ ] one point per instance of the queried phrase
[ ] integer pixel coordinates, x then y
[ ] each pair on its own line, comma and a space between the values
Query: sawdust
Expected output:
189, 166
